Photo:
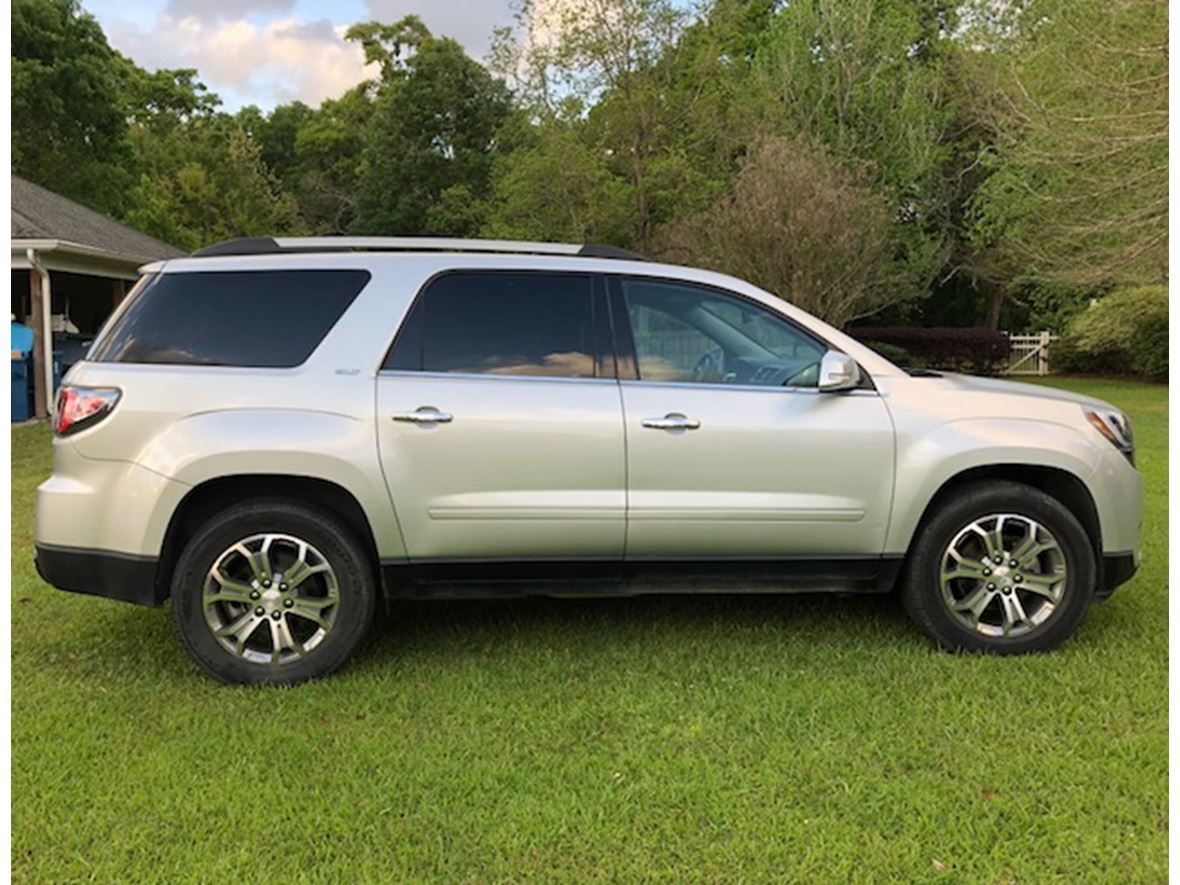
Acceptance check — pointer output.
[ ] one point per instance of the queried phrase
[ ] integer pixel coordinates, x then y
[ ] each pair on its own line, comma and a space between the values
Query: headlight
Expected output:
1116, 427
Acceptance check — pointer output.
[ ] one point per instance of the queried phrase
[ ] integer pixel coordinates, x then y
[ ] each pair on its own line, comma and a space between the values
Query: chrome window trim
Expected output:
763, 388
469, 376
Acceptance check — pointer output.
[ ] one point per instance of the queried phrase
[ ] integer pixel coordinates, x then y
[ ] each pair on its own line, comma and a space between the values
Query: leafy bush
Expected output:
897, 355
1125, 333
978, 351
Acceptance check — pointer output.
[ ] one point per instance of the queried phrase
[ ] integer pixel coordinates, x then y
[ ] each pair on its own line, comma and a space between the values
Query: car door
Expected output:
732, 452
499, 420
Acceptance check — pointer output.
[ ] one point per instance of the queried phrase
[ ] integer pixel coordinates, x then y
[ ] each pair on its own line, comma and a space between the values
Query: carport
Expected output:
71, 266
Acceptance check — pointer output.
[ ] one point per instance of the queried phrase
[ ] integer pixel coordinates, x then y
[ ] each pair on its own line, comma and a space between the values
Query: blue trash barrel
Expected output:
21, 400
22, 372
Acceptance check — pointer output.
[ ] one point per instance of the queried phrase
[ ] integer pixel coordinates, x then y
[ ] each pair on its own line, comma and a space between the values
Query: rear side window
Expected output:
260, 318
500, 324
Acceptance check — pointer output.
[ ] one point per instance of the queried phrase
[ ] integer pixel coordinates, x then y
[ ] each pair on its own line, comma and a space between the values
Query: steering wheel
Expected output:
808, 376
711, 363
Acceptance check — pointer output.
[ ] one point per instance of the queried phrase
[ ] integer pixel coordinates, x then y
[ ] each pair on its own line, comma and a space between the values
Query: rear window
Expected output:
259, 318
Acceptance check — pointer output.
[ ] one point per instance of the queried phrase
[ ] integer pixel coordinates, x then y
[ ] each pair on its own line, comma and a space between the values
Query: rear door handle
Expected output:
672, 421
424, 415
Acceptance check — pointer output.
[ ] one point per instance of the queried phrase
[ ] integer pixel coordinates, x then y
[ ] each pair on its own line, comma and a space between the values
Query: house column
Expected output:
41, 302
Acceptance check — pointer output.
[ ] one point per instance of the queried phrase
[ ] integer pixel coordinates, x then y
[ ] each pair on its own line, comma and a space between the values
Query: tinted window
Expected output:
696, 335
263, 318
500, 324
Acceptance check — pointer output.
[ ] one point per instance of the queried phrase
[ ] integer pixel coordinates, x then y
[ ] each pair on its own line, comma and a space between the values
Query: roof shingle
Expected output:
38, 214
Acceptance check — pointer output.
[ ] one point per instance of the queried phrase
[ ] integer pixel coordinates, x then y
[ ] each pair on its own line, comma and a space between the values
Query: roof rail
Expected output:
277, 245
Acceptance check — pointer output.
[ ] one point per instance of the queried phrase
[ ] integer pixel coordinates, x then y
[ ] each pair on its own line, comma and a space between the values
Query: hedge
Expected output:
1124, 333
977, 351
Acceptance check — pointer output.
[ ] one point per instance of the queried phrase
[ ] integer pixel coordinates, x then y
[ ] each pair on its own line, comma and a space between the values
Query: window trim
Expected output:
603, 355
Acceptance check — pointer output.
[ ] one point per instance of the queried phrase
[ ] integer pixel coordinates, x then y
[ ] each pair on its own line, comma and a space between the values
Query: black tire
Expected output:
354, 579
921, 587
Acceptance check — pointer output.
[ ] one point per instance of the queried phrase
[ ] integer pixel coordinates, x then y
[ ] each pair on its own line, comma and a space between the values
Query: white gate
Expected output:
1029, 354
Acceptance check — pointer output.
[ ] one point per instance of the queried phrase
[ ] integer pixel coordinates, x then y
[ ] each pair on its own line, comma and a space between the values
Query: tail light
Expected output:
82, 407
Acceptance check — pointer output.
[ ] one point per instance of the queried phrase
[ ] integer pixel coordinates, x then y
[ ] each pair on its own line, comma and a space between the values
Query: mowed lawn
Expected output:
684, 739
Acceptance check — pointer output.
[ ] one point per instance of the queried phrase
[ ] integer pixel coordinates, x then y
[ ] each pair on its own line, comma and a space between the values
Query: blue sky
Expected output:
266, 52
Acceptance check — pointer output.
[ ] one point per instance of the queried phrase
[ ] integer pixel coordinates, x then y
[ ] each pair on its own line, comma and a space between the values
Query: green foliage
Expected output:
433, 129
1017, 151
390, 45
1124, 333
868, 79
1078, 185
208, 183
69, 132
557, 187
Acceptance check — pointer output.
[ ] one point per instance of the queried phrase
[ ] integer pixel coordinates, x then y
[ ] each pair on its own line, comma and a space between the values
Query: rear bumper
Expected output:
119, 576
1117, 569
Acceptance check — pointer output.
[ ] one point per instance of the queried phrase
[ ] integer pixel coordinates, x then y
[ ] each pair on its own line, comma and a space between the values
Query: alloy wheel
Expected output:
1003, 575
270, 598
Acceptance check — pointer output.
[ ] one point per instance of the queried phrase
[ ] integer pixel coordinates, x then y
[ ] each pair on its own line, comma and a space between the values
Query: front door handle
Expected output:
672, 421
424, 415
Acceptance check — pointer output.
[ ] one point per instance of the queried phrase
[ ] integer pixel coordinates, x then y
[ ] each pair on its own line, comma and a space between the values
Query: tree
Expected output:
69, 132
433, 129
608, 64
1078, 190
558, 187
868, 79
801, 224
328, 151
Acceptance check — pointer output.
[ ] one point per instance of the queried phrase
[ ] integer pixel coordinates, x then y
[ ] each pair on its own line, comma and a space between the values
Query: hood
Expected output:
951, 382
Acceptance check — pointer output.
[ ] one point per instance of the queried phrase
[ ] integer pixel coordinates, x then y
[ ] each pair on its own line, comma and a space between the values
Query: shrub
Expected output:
979, 351
1125, 333
896, 354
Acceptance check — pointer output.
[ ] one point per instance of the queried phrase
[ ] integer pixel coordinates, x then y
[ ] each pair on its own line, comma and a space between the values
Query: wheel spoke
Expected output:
1014, 612
299, 571
258, 560
974, 603
230, 590
309, 613
1030, 553
1048, 586
240, 630
282, 640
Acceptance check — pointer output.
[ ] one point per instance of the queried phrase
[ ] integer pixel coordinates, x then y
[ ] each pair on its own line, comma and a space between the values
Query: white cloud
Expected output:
470, 23
251, 64
216, 10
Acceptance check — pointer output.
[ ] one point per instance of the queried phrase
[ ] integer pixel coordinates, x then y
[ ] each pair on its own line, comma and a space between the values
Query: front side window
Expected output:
257, 319
500, 323
691, 334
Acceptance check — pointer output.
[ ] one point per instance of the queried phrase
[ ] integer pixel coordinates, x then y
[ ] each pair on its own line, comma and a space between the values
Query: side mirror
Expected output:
838, 371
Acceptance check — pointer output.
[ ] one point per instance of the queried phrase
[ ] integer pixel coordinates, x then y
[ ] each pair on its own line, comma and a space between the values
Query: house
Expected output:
71, 266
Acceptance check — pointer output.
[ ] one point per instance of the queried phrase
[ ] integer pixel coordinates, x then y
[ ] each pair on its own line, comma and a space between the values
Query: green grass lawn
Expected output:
688, 739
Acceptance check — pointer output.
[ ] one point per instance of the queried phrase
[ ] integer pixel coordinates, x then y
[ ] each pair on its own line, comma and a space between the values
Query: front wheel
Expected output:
1001, 567
272, 591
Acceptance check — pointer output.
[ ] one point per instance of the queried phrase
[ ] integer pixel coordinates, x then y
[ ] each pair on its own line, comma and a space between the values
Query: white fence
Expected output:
1029, 354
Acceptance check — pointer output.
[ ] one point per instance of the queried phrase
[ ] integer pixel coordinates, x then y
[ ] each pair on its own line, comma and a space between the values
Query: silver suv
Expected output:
278, 434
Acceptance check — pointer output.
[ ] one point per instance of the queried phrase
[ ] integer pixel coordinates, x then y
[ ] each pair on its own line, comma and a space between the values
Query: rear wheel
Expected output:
1000, 567
272, 591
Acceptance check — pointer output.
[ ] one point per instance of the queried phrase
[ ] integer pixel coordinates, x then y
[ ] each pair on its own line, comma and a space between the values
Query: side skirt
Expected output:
482, 579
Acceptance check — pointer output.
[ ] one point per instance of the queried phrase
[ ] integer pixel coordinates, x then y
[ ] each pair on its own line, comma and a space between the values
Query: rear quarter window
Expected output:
258, 319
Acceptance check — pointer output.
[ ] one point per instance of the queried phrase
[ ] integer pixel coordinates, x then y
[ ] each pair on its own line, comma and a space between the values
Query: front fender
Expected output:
321, 445
927, 461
